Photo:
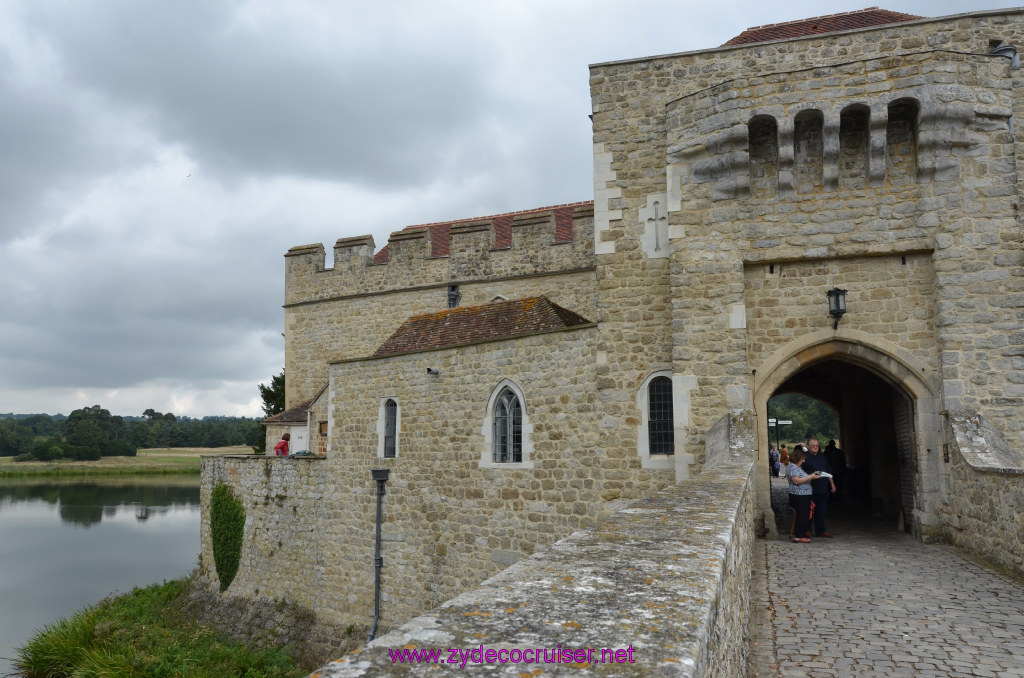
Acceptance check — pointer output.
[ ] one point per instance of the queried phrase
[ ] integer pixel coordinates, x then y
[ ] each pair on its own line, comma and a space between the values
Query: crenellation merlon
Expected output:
513, 243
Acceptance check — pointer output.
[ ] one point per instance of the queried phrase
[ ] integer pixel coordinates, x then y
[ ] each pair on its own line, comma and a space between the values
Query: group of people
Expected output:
811, 483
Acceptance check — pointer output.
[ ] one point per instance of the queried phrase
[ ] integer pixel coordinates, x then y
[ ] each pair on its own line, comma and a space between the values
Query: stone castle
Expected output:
526, 375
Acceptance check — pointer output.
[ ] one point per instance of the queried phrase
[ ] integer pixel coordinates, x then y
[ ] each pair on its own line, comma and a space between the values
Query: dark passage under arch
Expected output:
877, 439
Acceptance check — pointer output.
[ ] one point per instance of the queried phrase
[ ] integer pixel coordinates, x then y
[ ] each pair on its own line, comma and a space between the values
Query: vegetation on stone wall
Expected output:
227, 525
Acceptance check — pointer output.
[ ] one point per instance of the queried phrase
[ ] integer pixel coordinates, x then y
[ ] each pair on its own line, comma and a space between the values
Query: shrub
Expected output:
81, 452
227, 526
47, 449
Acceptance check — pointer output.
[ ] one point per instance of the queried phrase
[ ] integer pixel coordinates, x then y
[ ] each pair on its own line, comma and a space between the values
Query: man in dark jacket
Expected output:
821, 488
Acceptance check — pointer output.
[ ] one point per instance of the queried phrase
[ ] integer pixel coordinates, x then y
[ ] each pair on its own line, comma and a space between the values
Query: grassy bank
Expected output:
144, 634
159, 461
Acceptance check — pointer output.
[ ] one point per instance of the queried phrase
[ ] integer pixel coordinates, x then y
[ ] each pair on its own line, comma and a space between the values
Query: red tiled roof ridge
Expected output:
815, 18
817, 25
439, 230
463, 325
548, 208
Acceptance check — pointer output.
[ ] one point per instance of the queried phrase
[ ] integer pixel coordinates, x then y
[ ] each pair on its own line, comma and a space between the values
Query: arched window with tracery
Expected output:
660, 423
508, 428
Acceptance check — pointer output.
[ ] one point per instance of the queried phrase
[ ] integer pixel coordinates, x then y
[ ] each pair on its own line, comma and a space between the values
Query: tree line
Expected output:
92, 432
811, 419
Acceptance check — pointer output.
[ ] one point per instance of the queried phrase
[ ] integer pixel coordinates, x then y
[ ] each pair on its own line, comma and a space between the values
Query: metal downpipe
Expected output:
380, 475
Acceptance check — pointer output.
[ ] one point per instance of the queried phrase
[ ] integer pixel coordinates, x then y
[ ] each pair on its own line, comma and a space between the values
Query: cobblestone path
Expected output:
875, 602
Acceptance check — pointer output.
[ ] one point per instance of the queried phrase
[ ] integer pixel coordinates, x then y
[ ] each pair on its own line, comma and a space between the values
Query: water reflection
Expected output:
68, 543
86, 503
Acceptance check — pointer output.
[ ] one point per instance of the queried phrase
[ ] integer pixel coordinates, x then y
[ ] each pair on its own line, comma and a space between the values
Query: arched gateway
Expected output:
888, 415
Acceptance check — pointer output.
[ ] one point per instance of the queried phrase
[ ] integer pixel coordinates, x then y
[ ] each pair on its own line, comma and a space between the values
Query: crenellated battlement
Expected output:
537, 241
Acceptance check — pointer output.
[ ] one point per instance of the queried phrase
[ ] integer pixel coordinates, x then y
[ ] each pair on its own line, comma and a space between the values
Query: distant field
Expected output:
150, 461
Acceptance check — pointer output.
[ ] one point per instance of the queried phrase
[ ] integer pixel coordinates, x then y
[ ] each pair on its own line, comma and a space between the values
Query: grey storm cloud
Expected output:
157, 159
241, 101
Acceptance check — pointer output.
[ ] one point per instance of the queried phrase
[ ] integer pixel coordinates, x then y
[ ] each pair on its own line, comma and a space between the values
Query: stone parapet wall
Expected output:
665, 582
472, 255
287, 503
984, 510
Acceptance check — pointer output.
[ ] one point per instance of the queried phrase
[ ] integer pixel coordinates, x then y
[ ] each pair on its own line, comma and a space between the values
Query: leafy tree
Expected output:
811, 418
15, 438
273, 395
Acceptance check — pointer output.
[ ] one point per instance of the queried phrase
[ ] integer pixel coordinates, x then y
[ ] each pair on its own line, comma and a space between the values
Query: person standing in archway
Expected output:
821, 486
800, 494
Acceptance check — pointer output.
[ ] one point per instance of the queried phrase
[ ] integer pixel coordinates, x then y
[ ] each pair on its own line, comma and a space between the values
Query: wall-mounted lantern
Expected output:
836, 304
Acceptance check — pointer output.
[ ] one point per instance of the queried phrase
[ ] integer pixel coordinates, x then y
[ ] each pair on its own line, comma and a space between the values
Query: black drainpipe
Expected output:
381, 476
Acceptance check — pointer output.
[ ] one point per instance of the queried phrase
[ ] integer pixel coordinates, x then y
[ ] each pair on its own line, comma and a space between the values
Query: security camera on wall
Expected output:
432, 370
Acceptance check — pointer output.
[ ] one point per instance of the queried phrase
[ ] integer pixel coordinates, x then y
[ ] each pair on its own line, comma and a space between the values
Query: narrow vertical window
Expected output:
454, 296
390, 427
508, 428
660, 424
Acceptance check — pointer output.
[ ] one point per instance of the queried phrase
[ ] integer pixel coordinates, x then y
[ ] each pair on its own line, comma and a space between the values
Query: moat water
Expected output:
68, 544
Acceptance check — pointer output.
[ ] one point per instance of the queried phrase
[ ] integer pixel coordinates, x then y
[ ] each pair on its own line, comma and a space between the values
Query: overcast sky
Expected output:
157, 159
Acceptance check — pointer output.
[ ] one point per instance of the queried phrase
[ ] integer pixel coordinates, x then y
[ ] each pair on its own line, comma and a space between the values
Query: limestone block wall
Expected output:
454, 517
665, 581
288, 507
890, 298
903, 147
984, 512
323, 332
349, 310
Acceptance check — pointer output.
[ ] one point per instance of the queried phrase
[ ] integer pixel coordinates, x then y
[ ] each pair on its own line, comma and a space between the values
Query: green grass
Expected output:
143, 634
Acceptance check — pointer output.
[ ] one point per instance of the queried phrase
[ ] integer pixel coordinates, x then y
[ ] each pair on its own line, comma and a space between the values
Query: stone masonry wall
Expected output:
288, 506
665, 582
349, 310
890, 298
984, 513
673, 130
454, 517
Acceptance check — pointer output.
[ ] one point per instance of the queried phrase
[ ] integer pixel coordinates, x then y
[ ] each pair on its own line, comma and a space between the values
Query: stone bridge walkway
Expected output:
874, 602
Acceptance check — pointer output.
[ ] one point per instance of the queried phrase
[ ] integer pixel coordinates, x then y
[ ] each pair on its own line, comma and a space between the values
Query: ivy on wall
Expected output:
227, 525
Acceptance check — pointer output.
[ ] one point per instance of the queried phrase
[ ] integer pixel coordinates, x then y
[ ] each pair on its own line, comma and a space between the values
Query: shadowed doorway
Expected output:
877, 441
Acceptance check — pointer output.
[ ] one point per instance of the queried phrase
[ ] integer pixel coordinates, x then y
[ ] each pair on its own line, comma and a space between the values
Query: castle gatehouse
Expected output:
524, 376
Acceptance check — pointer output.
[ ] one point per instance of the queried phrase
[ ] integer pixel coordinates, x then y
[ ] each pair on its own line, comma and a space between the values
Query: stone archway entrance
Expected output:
889, 425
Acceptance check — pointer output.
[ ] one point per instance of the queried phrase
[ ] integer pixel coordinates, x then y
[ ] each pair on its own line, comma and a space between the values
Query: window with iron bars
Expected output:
390, 427
660, 424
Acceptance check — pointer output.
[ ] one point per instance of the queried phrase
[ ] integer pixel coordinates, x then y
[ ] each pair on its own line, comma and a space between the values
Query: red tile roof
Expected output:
293, 415
471, 324
847, 21
502, 223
